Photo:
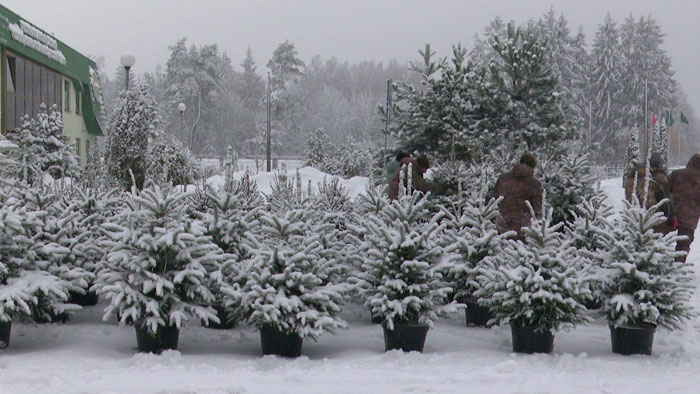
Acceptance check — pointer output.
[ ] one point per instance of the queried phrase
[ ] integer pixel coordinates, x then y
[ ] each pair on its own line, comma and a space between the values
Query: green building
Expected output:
36, 69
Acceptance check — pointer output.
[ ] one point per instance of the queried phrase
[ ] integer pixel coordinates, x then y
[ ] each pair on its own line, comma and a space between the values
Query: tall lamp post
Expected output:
182, 108
127, 60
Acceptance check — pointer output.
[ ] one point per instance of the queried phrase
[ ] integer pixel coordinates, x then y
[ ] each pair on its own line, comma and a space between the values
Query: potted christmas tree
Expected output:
645, 287
536, 286
156, 267
471, 236
289, 295
402, 275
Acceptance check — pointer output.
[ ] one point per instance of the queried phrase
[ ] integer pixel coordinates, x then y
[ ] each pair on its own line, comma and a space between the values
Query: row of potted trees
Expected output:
286, 265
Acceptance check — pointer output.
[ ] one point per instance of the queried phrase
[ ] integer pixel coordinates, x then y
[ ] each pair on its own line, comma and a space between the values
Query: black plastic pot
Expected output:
165, 339
5, 334
528, 340
406, 337
90, 298
637, 339
227, 321
477, 315
279, 343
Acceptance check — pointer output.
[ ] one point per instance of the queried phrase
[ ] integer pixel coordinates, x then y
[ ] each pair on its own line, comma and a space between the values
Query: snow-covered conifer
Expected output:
157, 262
170, 162
659, 140
402, 273
633, 157
644, 282
568, 180
536, 283
132, 125
289, 284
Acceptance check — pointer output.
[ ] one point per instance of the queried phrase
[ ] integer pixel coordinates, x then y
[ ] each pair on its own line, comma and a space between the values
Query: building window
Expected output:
11, 74
77, 146
66, 94
78, 98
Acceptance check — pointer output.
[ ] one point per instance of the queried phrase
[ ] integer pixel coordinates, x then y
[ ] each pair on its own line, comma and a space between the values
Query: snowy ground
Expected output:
87, 355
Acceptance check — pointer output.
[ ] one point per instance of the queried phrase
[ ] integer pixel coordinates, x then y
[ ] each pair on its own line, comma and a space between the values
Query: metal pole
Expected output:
590, 123
127, 77
388, 115
646, 119
268, 137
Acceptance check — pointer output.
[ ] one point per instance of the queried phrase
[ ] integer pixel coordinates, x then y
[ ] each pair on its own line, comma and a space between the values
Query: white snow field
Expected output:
88, 355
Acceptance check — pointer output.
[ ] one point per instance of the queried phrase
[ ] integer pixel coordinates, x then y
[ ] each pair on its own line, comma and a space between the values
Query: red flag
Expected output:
653, 119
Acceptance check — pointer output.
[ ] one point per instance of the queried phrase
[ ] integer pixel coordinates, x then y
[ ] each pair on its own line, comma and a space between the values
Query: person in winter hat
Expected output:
517, 187
658, 189
418, 166
392, 167
685, 192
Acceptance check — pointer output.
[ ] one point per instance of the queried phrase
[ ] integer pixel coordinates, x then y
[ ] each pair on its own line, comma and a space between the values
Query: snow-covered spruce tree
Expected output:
50, 239
157, 262
286, 194
568, 180
470, 236
23, 285
633, 156
644, 283
133, 122
402, 274
537, 283
170, 162
659, 140
289, 286
43, 147
230, 217
95, 169
589, 233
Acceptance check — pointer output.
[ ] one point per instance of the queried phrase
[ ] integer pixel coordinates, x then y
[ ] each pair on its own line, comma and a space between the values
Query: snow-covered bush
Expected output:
402, 270
346, 159
536, 283
157, 263
169, 161
645, 284
289, 284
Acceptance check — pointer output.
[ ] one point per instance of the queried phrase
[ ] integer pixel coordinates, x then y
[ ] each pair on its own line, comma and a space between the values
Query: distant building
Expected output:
37, 68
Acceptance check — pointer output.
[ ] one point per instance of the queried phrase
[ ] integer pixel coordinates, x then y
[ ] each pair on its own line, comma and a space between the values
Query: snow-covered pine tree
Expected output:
30, 149
402, 275
170, 162
95, 169
230, 217
286, 194
133, 122
607, 92
589, 232
633, 157
157, 262
659, 140
644, 283
568, 180
537, 283
289, 285
49, 250
60, 159
23, 285
469, 237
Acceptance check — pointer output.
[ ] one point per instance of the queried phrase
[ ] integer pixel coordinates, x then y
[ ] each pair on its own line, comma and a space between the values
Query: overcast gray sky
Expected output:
352, 30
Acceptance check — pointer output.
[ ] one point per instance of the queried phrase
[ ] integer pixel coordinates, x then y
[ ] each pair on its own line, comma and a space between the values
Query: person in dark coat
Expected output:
392, 167
659, 188
419, 166
517, 187
685, 191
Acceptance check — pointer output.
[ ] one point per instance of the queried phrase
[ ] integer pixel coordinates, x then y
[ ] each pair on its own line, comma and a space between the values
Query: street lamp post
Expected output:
182, 108
127, 60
